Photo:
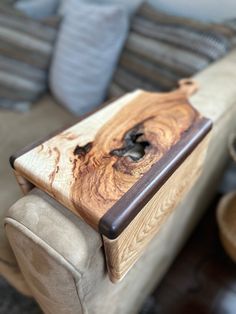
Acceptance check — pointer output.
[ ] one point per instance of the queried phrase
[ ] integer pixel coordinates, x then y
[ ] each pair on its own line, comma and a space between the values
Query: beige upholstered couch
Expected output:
58, 259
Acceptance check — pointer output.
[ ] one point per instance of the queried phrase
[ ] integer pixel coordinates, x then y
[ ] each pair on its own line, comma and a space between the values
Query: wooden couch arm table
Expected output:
123, 169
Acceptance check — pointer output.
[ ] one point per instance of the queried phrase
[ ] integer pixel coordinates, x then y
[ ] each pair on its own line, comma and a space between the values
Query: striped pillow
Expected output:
89, 43
161, 49
25, 52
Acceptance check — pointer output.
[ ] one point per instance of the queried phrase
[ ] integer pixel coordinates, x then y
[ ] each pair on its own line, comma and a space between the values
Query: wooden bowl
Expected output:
226, 218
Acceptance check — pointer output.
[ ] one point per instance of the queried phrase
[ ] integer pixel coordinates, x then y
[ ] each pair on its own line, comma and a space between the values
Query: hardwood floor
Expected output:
202, 280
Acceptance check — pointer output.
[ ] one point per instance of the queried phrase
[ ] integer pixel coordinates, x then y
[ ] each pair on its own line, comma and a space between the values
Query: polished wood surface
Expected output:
124, 168
90, 166
124, 251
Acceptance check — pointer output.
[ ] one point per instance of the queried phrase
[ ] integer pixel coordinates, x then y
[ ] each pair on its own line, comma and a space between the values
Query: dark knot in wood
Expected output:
134, 144
82, 150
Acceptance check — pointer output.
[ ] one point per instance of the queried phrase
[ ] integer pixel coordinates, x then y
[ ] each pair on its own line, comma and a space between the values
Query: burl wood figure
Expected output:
123, 169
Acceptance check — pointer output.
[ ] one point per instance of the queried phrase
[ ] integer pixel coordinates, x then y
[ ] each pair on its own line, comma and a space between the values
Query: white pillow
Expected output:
88, 46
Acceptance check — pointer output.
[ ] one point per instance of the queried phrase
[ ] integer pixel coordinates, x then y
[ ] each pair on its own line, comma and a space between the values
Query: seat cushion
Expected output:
17, 130
20, 129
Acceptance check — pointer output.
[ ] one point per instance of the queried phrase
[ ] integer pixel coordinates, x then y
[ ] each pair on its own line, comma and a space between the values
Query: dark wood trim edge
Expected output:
118, 217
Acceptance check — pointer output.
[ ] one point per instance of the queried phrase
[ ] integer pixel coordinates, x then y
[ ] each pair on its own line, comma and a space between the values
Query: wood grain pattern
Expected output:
51, 164
126, 208
109, 166
123, 169
123, 252
90, 166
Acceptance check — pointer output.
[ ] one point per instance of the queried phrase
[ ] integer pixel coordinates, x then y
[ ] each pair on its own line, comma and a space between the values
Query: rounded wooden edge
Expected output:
119, 216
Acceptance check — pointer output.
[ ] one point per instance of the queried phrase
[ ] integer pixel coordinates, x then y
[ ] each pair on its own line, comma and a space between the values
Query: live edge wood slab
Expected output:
123, 169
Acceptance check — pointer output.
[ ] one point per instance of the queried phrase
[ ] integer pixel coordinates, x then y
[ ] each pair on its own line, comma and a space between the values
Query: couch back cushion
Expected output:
25, 52
161, 49
88, 46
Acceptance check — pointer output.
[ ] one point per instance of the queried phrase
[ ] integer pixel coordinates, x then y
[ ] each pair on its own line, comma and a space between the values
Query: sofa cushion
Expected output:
25, 52
16, 131
161, 49
86, 52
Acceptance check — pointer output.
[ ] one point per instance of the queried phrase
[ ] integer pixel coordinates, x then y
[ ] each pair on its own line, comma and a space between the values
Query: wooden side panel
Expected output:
24, 184
124, 251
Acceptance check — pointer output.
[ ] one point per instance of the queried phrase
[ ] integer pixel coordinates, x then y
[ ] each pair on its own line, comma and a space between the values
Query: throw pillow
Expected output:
88, 45
161, 49
25, 52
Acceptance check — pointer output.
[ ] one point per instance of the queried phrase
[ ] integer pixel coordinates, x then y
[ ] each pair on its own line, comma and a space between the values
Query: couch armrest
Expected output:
62, 258
53, 248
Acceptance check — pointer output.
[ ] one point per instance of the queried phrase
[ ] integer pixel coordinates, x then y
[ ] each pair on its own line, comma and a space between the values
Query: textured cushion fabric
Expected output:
19, 106
231, 23
88, 45
40, 267
38, 9
130, 6
25, 52
161, 49
42, 271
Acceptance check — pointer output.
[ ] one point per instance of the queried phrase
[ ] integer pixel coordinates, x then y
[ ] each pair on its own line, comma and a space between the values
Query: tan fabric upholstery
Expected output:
42, 272
12, 272
37, 226
16, 130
